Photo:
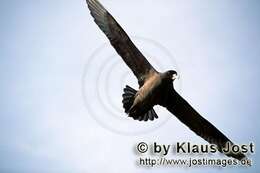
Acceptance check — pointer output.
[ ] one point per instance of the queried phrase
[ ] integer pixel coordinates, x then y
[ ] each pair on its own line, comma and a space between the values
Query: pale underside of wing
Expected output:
120, 41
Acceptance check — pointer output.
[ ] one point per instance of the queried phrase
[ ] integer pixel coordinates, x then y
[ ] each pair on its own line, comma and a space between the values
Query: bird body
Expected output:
147, 94
155, 88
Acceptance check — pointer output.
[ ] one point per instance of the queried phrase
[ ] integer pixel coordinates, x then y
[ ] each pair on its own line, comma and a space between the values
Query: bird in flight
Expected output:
155, 88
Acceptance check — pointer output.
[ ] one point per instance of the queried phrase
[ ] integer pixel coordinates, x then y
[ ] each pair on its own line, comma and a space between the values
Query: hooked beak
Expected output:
175, 76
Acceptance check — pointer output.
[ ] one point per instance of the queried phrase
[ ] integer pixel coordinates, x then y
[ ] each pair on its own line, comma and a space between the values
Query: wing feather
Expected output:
202, 127
120, 41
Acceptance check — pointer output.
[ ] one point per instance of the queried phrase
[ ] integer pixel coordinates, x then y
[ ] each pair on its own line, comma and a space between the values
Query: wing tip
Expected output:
95, 5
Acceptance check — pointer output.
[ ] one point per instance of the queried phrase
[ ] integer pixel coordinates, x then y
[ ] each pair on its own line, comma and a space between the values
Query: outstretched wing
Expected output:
120, 41
202, 127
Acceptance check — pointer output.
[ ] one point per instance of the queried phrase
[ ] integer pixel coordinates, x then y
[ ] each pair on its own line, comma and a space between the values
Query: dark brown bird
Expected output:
155, 88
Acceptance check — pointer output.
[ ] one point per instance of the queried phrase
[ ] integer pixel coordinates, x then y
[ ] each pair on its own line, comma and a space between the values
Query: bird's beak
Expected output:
175, 76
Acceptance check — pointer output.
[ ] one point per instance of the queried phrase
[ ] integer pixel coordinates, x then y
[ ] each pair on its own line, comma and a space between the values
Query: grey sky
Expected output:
44, 123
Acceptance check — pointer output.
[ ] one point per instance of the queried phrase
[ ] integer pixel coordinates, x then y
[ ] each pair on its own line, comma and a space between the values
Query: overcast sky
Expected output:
57, 117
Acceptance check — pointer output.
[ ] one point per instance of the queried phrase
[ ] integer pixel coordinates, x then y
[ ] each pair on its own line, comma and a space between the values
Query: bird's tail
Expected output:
128, 98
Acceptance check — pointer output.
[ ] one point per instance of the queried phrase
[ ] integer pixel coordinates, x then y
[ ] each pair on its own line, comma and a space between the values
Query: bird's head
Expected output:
170, 75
